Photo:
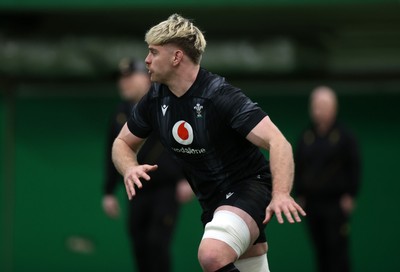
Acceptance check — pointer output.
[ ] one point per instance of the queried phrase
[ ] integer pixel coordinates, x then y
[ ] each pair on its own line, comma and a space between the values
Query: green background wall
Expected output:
1, 169
59, 153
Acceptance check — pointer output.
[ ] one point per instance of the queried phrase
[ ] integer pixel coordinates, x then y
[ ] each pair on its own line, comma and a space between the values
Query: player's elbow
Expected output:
115, 149
279, 142
288, 144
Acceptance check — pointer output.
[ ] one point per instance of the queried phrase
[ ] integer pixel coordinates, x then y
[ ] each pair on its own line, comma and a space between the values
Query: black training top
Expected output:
152, 152
327, 166
205, 129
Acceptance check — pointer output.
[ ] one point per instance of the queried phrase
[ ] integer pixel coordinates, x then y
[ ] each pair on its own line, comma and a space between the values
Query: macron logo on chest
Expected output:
164, 109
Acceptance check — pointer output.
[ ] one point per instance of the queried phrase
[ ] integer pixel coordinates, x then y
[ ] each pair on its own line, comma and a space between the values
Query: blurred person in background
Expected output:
327, 180
153, 213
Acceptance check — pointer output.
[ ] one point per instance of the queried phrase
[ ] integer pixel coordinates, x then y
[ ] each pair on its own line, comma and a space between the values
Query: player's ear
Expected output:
178, 56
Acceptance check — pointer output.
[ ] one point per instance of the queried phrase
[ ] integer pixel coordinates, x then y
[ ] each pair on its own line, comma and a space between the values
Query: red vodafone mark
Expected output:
183, 132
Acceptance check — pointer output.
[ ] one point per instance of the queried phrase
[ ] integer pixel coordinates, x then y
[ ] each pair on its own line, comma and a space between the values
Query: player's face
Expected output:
159, 63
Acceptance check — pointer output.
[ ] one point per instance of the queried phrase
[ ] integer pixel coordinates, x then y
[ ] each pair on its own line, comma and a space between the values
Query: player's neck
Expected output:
183, 79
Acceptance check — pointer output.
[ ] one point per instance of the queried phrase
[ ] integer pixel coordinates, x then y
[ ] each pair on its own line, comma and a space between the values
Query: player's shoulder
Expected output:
213, 84
154, 91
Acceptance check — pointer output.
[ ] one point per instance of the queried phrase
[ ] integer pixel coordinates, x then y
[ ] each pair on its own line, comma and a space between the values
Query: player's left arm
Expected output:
266, 135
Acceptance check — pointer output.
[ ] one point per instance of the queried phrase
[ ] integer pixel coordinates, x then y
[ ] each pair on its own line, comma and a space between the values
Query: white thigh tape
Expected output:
230, 228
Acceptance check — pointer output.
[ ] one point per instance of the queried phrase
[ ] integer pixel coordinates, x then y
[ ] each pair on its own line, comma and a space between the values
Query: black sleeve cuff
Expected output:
138, 132
252, 121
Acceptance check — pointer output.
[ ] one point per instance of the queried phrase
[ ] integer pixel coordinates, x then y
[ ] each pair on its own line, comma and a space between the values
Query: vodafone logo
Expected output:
183, 132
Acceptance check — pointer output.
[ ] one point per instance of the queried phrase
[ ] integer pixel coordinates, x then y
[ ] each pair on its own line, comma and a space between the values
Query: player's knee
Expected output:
230, 229
225, 238
215, 256
209, 259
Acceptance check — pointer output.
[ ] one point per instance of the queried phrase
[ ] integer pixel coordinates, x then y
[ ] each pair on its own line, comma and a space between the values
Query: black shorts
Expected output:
252, 196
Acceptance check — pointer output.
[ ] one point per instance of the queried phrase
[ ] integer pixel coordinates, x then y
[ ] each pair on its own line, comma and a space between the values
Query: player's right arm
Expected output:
124, 152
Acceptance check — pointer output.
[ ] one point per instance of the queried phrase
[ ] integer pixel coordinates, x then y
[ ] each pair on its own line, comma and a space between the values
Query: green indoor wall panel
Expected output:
59, 157
59, 172
2, 132
2, 128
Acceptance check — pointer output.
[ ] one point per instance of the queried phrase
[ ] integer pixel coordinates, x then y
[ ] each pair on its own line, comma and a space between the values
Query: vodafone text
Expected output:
189, 150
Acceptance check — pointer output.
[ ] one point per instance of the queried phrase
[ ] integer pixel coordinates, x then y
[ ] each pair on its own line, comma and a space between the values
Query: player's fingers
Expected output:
131, 185
300, 209
288, 215
128, 190
295, 214
149, 168
137, 182
279, 217
144, 175
268, 215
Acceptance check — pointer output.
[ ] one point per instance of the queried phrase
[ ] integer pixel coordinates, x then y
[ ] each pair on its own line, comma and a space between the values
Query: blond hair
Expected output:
181, 32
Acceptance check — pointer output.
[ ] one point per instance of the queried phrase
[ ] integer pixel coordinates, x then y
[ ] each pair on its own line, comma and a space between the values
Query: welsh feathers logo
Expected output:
183, 132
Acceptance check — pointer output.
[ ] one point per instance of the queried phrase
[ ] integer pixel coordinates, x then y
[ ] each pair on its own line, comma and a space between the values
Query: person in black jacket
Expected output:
327, 181
153, 213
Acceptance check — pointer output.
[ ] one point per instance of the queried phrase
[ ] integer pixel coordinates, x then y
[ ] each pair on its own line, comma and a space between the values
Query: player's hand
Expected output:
184, 192
134, 174
283, 203
111, 206
301, 200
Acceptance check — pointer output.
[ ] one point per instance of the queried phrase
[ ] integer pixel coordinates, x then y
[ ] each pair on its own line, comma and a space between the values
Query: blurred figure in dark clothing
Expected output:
153, 212
327, 181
